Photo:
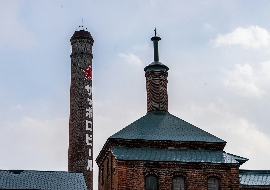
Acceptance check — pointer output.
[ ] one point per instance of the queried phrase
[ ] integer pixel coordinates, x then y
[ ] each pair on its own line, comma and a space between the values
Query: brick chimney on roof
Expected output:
156, 75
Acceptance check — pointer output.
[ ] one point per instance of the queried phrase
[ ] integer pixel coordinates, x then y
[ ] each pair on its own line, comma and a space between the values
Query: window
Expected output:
213, 184
151, 183
178, 183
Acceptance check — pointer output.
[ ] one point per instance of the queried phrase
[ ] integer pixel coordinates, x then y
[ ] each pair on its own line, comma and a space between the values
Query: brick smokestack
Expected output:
156, 82
80, 152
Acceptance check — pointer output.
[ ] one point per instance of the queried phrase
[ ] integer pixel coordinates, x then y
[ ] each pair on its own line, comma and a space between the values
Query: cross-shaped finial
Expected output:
155, 32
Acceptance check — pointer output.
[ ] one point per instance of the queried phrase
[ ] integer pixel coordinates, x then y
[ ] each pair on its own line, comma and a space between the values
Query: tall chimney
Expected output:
156, 75
80, 152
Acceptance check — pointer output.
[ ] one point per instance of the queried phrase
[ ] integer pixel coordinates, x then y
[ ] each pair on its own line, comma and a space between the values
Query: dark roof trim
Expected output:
242, 171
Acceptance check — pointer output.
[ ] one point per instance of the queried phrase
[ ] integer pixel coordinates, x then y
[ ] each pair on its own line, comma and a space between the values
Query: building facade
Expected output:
160, 151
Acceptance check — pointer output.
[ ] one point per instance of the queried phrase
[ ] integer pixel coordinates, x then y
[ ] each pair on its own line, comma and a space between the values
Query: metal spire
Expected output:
155, 40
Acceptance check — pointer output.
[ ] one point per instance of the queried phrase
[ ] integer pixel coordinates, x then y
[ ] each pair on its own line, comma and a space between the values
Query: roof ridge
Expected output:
39, 171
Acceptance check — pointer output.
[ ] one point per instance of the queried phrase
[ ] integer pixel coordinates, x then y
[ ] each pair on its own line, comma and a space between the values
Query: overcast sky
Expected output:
218, 53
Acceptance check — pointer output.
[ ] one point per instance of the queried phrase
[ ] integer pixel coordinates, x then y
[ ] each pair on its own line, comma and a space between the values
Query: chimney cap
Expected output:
156, 38
81, 34
156, 66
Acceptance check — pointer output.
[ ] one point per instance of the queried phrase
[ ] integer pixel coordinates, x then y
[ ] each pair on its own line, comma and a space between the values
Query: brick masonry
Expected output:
129, 175
156, 87
80, 153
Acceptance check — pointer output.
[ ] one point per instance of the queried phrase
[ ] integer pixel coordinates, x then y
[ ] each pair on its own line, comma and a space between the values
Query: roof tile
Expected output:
174, 155
254, 177
164, 126
29, 179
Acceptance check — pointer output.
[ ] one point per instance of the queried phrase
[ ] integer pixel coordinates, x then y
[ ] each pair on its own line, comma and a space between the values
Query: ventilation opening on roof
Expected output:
16, 171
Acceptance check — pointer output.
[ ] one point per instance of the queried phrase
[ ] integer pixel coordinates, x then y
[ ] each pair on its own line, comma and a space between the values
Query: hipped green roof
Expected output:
164, 126
175, 155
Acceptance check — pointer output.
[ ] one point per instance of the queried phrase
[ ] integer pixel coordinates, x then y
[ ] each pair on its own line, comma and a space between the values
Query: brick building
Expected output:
162, 151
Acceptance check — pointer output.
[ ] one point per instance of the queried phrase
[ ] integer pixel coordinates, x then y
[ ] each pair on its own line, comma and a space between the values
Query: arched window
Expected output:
178, 183
151, 182
213, 183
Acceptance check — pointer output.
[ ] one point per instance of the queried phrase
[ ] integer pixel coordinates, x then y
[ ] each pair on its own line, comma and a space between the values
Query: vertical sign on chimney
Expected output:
80, 153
